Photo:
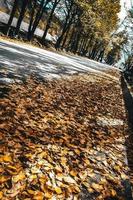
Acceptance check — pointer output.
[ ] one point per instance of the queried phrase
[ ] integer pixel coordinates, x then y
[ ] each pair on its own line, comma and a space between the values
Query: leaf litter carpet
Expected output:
63, 139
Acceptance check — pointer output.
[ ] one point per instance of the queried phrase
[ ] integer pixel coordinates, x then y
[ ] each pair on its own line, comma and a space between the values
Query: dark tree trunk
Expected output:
84, 46
59, 40
49, 21
11, 16
37, 18
88, 45
80, 45
65, 39
65, 30
71, 40
76, 45
21, 16
93, 54
31, 17
68, 21
102, 55
99, 57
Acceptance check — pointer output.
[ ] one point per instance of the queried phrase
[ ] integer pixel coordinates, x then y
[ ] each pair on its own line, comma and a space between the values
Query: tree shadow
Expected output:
20, 62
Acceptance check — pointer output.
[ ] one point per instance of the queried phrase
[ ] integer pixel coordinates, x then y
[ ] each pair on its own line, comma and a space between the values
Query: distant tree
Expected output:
116, 46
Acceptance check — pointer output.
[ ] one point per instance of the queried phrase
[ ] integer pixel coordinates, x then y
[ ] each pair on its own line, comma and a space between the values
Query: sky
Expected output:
124, 4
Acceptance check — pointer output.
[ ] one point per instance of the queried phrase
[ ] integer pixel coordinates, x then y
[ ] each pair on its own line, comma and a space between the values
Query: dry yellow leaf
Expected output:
32, 177
19, 177
58, 190
38, 196
69, 180
32, 192
58, 168
1, 195
90, 190
87, 161
73, 173
43, 155
83, 175
3, 179
12, 170
43, 180
64, 152
117, 168
113, 192
75, 189
48, 195
5, 158
63, 160
124, 176
59, 176
97, 187
1, 169
86, 184
77, 151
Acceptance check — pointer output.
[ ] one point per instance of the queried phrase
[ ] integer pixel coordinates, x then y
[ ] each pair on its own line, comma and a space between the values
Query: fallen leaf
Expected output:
73, 173
38, 195
69, 180
6, 158
19, 177
1, 195
97, 187
58, 190
113, 192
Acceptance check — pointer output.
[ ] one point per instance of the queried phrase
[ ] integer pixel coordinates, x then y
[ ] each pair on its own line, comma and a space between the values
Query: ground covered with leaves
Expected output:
63, 139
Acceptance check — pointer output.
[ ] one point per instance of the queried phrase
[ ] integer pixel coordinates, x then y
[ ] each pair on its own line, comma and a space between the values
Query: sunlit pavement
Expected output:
19, 61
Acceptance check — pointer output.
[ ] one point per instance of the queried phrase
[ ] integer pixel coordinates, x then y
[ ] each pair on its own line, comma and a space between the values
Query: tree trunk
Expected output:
31, 18
49, 22
102, 55
37, 19
71, 40
11, 16
75, 48
59, 40
65, 39
21, 16
82, 46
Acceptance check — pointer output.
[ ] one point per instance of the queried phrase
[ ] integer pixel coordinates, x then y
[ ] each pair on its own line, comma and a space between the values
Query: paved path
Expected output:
18, 61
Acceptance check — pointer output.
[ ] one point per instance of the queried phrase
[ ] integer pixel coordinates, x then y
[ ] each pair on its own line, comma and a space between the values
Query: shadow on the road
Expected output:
19, 62
25, 62
128, 100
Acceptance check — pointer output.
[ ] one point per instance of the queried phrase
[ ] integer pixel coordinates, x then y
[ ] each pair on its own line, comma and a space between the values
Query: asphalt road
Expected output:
19, 61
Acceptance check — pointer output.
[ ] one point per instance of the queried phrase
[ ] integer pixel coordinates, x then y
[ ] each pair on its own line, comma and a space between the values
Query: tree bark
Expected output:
49, 20
70, 40
21, 16
31, 18
38, 18
11, 16
65, 39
